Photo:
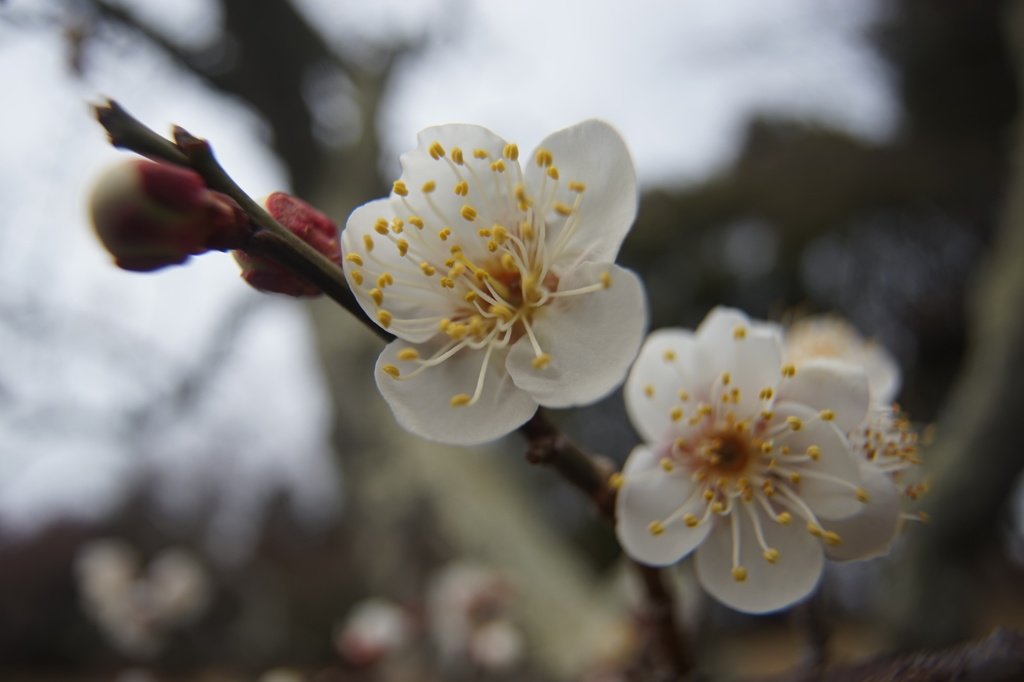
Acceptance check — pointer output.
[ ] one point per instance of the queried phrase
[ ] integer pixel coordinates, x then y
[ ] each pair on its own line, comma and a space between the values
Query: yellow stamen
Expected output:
390, 370
400, 189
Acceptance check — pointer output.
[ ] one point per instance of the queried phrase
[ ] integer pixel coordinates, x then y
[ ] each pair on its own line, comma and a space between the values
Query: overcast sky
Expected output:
678, 78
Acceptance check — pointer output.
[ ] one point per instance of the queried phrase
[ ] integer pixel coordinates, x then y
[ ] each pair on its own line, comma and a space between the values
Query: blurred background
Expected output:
200, 482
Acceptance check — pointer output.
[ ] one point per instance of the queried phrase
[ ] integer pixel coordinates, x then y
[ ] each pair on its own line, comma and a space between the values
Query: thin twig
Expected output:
269, 237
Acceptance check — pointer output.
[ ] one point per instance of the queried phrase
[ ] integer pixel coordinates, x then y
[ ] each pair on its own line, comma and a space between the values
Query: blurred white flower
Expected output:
499, 280
374, 629
829, 336
462, 598
747, 463
137, 609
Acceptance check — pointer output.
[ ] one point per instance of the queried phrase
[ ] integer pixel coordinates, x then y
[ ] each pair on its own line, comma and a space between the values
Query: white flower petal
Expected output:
592, 153
884, 374
592, 338
422, 403
405, 298
755, 367
833, 497
652, 388
828, 384
768, 586
868, 533
716, 346
651, 494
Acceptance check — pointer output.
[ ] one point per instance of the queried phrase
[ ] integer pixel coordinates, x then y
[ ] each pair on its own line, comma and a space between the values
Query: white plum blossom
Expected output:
747, 463
885, 438
498, 279
829, 336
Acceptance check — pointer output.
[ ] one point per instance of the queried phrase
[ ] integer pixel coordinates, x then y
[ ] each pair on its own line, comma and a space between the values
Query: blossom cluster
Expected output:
763, 454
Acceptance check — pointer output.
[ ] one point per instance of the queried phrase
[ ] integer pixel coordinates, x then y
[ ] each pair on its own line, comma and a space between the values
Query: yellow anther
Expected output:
656, 528
378, 296
403, 247
400, 189
511, 151
726, 378
541, 361
616, 480
667, 464
427, 268
381, 226
553, 172
708, 495
460, 400
606, 280
428, 187
862, 495
684, 395
390, 370
480, 154
784, 449
789, 370
577, 187
492, 246
679, 443
447, 282
416, 221
718, 507
455, 250
669, 355
357, 277
457, 270
462, 189
690, 520
827, 415
562, 209
739, 574
500, 233
481, 275
498, 166
508, 262
384, 318
436, 150
469, 213
457, 330
470, 296
739, 333
385, 279
832, 539
544, 158
368, 243
649, 390
676, 413
785, 518
485, 232
771, 555
443, 325
501, 311
795, 477
457, 156
814, 529
476, 326
767, 415
354, 258
408, 354
766, 447
814, 452
396, 225
444, 234
794, 423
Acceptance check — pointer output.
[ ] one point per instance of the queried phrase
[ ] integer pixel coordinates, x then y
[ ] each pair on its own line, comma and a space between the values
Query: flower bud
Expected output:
305, 222
149, 215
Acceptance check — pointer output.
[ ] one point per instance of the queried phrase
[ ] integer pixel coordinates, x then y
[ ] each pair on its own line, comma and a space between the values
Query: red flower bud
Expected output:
149, 215
304, 221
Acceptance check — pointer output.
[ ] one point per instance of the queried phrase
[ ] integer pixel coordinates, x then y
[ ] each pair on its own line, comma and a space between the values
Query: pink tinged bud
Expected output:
307, 223
149, 215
